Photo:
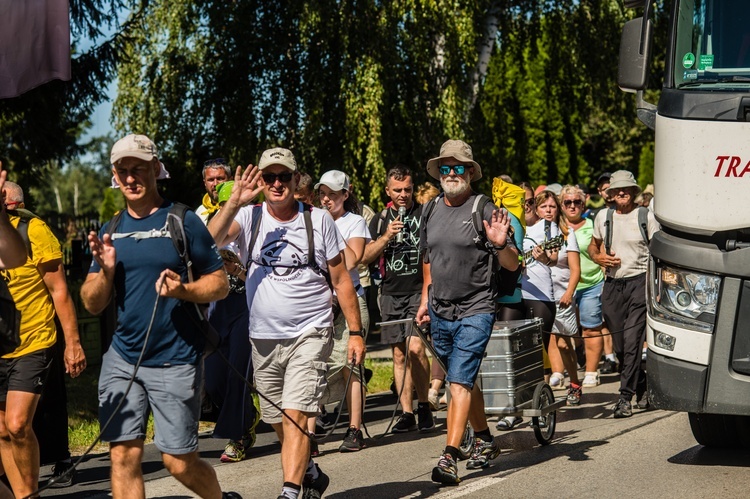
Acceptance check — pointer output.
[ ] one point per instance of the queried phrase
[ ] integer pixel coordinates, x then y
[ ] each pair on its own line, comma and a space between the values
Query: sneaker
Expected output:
608, 366
230, 495
623, 409
62, 478
574, 394
406, 422
591, 380
313, 489
643, 402
557, 381
314, 449
424, 415
482, 454
353, 441
446, 471
432, 398
234, 452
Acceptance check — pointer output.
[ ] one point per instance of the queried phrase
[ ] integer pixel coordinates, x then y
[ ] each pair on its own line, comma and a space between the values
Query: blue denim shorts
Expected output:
589, 303
460, 345
171, 393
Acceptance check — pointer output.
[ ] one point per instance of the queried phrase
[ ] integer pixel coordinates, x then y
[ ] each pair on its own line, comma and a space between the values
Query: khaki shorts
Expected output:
292, 373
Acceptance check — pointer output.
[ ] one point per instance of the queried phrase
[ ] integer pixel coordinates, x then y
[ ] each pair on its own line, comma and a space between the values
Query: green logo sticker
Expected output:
688, 60
705, 61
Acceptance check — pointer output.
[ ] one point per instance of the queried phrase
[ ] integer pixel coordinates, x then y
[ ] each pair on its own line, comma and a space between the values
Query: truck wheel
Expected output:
720, 430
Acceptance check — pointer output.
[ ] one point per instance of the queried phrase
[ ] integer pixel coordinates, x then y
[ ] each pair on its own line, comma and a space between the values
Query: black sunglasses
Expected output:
529, 202
270, 178
569, 202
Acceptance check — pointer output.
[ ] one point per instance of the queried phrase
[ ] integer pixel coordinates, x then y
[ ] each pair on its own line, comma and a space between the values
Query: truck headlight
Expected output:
682, 297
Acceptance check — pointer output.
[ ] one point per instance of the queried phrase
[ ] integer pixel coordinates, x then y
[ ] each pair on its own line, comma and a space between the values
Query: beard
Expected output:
454, 186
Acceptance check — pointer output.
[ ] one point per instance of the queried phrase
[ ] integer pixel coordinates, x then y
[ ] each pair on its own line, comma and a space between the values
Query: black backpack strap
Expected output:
254, 229
24, 217
176, 228
477, 217
114, 222
643, 222
608, 230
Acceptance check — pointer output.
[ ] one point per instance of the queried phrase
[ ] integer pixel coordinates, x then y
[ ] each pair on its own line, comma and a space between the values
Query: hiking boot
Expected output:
313, 489
574, 394
406, 422
424, 415
608, 366
234, 452
623, 409
353, 440
446, 471
60, 475
482, 454
314, 449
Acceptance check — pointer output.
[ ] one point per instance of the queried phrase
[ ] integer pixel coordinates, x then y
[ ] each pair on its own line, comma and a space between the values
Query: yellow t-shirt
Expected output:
30, 293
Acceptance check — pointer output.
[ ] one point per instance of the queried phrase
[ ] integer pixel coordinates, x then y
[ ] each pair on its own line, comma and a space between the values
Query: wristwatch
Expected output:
360, 333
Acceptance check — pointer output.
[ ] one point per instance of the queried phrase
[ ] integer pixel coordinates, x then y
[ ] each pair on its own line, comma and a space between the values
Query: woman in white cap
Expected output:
336, 197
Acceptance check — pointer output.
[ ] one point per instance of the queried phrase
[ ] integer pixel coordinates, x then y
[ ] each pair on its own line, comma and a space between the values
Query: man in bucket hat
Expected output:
139, 260
620, 246
460, 305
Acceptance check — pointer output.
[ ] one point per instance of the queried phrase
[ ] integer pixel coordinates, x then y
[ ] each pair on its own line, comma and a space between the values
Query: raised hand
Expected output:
497, 229
103, 252
246, 186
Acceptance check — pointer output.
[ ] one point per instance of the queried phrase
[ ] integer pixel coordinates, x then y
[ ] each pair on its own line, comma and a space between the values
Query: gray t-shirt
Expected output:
459, 262
627, 242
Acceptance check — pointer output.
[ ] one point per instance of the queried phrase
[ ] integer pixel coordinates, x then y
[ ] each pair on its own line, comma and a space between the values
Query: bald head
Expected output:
13, 193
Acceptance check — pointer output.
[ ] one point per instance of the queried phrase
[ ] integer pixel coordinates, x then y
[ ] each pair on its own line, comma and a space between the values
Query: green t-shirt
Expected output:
591, 272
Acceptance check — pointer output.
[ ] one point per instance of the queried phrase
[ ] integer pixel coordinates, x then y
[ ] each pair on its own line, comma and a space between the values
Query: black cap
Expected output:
604, 177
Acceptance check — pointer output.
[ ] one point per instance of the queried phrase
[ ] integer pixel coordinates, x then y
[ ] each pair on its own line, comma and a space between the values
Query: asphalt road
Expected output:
651, 454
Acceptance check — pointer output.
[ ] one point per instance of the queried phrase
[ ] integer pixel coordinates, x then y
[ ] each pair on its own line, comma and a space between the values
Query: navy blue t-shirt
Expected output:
174, 338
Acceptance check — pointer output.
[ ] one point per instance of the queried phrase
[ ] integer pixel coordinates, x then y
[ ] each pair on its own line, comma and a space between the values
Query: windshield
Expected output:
712, 45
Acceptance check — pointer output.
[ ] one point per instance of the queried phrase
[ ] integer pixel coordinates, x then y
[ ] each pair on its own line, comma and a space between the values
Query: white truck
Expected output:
699, 277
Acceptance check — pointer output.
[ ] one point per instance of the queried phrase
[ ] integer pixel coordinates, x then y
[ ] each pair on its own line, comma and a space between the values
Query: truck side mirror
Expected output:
635, 53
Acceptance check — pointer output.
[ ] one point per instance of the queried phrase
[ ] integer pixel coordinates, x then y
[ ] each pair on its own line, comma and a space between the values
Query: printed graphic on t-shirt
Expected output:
281, 259
402, 258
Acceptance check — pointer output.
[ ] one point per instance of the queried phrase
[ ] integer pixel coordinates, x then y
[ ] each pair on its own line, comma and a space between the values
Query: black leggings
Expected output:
528, 309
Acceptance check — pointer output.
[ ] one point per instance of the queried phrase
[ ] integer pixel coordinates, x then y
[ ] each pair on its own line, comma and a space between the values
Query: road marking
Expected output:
470, 488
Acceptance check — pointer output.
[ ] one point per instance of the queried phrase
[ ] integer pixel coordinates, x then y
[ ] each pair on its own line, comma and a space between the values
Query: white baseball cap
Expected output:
277, 156
335, 180
135, 146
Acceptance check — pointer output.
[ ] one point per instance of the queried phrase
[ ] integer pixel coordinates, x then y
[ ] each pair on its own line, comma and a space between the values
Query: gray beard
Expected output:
453, 190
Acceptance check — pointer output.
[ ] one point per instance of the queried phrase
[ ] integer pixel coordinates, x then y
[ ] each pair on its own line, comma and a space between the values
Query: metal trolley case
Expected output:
512, 377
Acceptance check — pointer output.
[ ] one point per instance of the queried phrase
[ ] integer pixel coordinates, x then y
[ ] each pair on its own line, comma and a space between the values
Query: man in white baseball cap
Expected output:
136, 146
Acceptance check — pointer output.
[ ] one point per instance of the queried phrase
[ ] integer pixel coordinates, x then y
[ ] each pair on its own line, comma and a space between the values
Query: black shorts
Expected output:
393, 308
27, 373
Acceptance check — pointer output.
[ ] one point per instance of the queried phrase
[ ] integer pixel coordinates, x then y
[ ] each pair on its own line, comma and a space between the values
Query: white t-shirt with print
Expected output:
284, 298
351, 225
536, 280
561, 271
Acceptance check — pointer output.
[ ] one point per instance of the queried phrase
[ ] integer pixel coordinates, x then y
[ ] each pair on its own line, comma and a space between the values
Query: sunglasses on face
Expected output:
446, 169
270, 178
572, 202
529, 202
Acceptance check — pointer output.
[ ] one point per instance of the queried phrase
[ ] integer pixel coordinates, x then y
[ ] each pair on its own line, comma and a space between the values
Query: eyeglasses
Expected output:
215, 162
446, 169
569, 202
529, 202
270, 178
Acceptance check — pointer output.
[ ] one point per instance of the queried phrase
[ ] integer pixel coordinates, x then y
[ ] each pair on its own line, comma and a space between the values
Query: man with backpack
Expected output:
620, 245
459, 292
40, 293
395, 237
156, 260
295, 261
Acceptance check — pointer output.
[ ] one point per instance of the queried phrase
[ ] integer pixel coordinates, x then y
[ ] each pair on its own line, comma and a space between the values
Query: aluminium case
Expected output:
512, 367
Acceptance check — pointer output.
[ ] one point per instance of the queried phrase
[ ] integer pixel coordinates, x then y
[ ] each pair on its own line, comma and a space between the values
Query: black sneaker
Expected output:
313, 489
230, 495
406, 422
61, 476
608, 367
623, 409
353, 441
446, 471
424, 415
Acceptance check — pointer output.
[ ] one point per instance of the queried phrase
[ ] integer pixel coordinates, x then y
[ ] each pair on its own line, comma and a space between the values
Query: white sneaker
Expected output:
591, 379
557, 381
